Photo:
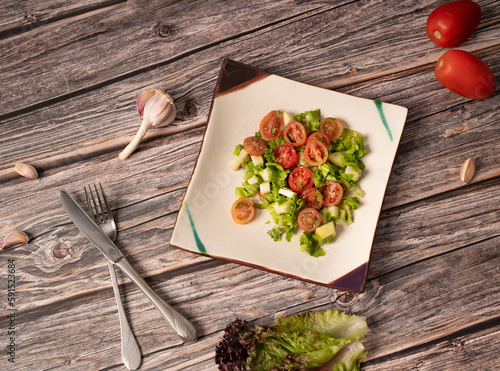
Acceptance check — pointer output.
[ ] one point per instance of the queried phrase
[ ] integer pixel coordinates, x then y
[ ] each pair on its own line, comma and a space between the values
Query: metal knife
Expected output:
91, 230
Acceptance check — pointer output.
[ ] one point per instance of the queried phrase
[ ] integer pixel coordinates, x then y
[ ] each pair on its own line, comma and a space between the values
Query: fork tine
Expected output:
95, 206
106, 203
100, 211
89, 205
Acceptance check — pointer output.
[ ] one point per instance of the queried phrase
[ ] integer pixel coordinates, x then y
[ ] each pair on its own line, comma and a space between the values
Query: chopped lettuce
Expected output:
276, 233
310, 340
237, 149
310, 119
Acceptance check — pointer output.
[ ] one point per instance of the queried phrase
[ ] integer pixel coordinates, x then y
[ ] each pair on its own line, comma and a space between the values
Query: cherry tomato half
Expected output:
331, 127
322, 137
271, 126
243, 210
452, 23
255, 146
332, 196
300, 178
285, 155
295, 134
309, 219
315, 153
313, 198
465, 74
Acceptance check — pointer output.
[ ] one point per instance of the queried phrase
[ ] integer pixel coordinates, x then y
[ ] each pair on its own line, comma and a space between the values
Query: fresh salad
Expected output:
324, 341
304, 170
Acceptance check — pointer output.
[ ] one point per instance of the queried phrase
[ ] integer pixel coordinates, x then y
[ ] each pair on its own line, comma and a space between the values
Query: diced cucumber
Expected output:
283, 208
301, 160
326, 230
287, 118
329, 212
265, 187
354, 171
336, 158
253, 180
266, 175
240, 160
287, 192
257, 160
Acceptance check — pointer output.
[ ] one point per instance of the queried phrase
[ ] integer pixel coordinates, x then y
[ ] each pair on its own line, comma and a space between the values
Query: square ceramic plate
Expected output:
243, 96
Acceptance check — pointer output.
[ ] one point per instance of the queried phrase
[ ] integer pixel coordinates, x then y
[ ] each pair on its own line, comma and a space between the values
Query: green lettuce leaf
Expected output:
307, 341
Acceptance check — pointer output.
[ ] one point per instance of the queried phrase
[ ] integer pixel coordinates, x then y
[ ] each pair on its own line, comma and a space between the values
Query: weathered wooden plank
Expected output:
464, 351
112, 42
26, 15
410, 300
404, 235
315, 54
471, 124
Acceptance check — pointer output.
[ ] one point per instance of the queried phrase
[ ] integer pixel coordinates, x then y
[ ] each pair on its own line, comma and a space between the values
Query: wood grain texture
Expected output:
68, 85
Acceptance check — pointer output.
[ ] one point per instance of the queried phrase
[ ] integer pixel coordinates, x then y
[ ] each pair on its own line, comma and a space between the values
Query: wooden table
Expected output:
70, 73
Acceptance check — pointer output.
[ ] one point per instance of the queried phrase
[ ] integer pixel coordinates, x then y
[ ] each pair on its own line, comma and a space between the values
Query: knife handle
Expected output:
181, 325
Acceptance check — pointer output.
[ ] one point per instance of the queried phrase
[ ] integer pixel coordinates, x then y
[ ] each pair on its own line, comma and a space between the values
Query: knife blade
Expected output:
91, 230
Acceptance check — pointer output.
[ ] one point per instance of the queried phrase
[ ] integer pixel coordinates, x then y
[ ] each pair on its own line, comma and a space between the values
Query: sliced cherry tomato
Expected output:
285, 155
255, 146
313, 198
271, 126
331, 127
300, 178
452, 23
315, 153
465, 74
332, 196
309, 219
295, 134
322, 137
243, 210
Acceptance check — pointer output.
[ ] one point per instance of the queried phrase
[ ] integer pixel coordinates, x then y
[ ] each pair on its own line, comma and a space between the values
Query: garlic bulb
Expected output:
14, 238
157, 109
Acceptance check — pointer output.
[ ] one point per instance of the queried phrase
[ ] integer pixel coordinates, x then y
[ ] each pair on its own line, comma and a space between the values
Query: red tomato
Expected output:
465, 74
333, 193
313, 198
452, 23
322, 137
243, 210
271, 126
309, 219
300, 178
285, 155
315, 153
333, 128
295, 134
255, 146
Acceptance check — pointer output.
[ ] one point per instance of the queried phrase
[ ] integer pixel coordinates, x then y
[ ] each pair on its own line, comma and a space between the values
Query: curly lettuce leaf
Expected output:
308, 341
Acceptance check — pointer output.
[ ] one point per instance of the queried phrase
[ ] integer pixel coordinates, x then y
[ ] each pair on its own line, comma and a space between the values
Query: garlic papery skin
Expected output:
14, 238
157, 109
26, 170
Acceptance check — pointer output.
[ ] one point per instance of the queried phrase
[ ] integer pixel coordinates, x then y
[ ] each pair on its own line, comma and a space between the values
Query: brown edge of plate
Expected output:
240, 76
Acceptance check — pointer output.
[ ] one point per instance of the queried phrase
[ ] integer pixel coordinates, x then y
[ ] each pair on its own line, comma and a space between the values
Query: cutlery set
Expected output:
100, 228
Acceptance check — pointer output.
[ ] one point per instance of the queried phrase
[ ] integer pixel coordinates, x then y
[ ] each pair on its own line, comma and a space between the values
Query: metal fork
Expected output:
100, 212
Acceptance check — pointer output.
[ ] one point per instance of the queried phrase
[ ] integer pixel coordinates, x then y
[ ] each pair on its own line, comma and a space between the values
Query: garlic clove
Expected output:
14, 238
143, 98
467, 170
26, 170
